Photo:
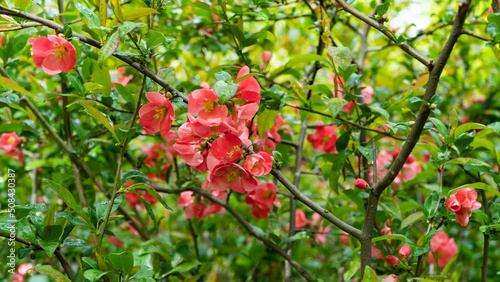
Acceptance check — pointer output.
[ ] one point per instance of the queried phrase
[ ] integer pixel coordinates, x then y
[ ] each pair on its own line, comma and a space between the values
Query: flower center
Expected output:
235, 149
160, 112
11, 140
60, 51
208, 105
325, 139
268, 193
232, 176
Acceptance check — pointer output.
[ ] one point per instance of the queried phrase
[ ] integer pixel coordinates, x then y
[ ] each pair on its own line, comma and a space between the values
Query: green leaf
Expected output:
412, 218
366, 151
127, 27
77, 83
450, 263
353, 266
468, 126
150, 190
138, 13
132, 173
15, 45
467, 161
5, 82
390, 206
109, 47
266, 120
477, 185
307, 58
334, 105
51, 272
225, 90
298, 89
103, 12
86, 12
126, 95
337, 165
183, 267
102, 77
382, 8
101, 118
75, 243
148, 209
94, 274
341, 56
390, 237
167, 74
453, 121
51, 235
68, 198
123, 262
370, 275
299, 236
441, 128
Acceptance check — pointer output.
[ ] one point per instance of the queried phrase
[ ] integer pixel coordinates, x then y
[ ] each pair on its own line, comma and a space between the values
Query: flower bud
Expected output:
266, 56
404, 252
361, 184
392, 260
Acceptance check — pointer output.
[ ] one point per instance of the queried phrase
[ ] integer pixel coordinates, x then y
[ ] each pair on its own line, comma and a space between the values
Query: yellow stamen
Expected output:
232, 176
208, 105
11, 140
60, 51
161, 112
235, 149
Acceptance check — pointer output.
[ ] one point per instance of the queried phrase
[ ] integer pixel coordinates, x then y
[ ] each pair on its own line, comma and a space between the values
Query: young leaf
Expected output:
137, 13
109, 46
101, 118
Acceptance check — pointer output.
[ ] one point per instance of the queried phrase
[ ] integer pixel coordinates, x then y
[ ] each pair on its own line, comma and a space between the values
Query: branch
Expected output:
413, 137
245, 224
139, 67
57, 252
356, 233
478, 36
383, 29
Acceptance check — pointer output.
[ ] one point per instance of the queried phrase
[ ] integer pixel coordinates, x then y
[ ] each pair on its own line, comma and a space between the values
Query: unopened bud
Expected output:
361, 183
404, 252
392, 260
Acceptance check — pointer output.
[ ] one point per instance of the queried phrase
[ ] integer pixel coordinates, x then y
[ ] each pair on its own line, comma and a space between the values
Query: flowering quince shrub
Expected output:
249, 141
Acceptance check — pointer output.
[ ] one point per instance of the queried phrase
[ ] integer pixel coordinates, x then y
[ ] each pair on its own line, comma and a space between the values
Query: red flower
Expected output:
300, 219
115, 241
361, 183
392, 260
205, 104
444, 247
249, 87
462, 203
9, 143
390, 278
225, 149
266, 56
404, 252
233, 176
324, 138
157, 115
53, 54
259, 164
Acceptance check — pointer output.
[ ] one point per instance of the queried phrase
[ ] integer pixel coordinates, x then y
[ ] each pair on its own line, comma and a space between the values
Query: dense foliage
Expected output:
248, 141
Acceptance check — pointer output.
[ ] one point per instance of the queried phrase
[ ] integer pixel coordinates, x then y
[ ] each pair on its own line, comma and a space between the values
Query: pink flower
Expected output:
197, 206
266, 56
265, 194
300, 219
462, 203
22, 271
233, 176
157, 115
249, 88
224, 149
444, 247
404, 252
115, 241
53, 54
320, 236
368, 91
344, 238
259, 164
123, 80
361, 183
323, 138
392, 260
390, 278
9, 143
205, 104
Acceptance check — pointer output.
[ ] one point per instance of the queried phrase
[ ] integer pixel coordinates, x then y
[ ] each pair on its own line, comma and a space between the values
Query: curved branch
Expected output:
64, 263
92, 42
356, 233
245, 224
413, 137
383, 29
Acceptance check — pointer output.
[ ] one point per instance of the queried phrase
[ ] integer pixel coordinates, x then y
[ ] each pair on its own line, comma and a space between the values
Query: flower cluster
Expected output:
462, 203
444, 247
409, 171
9, 143
323, 138
262, 200
213, 141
